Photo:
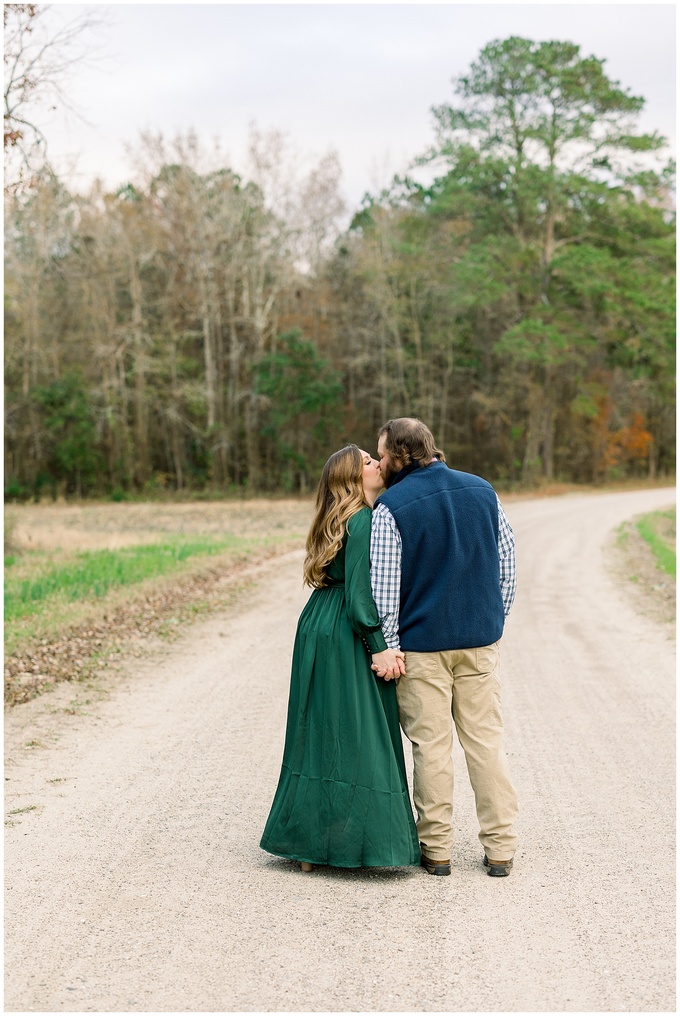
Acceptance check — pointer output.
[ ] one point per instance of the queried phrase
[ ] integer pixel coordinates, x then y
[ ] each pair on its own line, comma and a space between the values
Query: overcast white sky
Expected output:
359, 78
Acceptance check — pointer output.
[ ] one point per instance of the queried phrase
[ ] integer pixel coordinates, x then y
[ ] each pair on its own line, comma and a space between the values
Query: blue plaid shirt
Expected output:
386, 568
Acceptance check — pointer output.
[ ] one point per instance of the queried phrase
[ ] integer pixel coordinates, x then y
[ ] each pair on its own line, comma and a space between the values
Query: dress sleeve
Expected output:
361, 608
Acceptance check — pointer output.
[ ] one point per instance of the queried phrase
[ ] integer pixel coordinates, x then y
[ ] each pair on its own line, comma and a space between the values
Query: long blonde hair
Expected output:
340, 495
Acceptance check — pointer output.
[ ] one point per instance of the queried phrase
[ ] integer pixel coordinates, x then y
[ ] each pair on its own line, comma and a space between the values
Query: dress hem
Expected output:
336, 864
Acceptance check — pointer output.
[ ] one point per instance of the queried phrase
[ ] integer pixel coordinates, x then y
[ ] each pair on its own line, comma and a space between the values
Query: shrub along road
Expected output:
133, 874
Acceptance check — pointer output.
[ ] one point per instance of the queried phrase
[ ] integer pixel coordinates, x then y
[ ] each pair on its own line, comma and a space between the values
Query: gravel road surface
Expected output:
134, 880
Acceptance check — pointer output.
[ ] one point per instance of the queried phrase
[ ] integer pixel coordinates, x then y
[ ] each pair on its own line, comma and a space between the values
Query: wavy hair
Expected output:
340, 495
410, 440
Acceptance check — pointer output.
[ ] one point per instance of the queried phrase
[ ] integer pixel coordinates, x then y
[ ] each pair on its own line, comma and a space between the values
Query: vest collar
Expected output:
398, 477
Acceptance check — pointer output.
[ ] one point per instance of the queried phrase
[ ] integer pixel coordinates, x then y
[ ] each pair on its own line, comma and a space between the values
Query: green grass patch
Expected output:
50, 594
92, 574
658, 530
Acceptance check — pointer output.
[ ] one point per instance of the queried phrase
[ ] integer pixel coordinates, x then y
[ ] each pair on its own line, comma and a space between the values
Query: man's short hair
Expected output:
410, 440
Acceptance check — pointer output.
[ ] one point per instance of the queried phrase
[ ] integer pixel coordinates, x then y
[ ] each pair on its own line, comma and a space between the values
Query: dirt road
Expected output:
135, 882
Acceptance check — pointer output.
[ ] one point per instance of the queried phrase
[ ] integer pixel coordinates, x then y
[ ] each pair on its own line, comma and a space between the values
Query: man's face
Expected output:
388, 465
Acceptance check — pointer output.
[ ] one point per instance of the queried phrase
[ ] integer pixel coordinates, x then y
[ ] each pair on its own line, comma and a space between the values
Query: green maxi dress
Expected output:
342, 797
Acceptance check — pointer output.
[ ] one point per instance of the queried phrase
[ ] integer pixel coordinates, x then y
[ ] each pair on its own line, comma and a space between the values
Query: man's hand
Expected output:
389, 664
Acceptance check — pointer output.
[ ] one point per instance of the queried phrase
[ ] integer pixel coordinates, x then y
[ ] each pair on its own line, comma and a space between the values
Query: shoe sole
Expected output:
497, 870
436, 869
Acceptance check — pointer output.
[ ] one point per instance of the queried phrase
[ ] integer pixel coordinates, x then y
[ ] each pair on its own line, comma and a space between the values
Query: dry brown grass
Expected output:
632, 561
103, 525
72, 641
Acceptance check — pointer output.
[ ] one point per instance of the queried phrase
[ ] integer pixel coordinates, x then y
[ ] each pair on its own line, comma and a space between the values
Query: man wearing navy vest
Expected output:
443, 578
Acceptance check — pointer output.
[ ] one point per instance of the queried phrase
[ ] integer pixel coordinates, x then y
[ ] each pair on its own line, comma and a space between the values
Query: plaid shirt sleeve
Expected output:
506, 556
386, 572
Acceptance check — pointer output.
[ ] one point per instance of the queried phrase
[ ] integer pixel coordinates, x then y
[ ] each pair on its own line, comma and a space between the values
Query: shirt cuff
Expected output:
375, 642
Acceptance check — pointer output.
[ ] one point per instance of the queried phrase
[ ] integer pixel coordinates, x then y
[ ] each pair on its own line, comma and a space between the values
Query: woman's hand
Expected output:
389, 664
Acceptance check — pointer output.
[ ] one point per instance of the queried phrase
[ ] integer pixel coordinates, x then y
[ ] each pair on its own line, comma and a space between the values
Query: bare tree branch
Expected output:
39, 59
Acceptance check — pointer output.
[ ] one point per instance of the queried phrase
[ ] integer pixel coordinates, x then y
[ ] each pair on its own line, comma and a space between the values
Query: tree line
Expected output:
201, 330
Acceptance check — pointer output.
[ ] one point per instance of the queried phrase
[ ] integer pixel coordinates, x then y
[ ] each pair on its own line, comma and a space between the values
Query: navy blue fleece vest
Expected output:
450, 572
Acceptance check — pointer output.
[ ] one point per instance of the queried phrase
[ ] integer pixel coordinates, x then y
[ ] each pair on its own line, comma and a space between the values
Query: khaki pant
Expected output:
463, 684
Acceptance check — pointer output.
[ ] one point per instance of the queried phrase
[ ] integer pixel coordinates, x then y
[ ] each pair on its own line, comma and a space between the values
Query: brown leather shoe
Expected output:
497, 869
435, 867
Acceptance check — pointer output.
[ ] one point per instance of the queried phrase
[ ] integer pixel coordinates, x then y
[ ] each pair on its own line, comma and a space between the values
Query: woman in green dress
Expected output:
342, 797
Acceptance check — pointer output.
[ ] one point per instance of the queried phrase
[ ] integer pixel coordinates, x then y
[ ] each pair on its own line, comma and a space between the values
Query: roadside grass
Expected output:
90, 584
643, 560
93, 573
657, 529
48, 593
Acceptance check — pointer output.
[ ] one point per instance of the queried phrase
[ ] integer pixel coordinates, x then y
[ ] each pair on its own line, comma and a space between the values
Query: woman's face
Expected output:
370, 477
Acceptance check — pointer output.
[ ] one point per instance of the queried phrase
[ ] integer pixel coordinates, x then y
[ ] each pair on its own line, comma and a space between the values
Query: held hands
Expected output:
389, 664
